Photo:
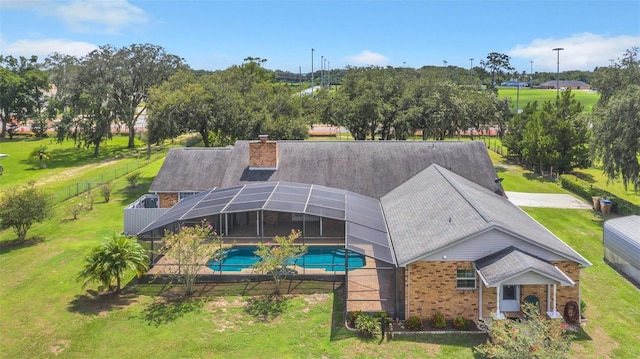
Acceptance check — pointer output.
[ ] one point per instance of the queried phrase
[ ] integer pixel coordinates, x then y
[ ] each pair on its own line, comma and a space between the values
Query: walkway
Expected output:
548, 200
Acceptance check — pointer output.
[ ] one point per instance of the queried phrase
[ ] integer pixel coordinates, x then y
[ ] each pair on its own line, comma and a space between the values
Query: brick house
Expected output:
431, 218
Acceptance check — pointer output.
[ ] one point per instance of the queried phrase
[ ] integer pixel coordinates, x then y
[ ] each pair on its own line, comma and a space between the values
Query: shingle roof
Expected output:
437, 208
512, 262
192, 169
371, 168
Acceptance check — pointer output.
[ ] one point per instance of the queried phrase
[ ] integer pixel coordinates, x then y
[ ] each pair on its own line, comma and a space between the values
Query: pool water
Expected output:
329, 258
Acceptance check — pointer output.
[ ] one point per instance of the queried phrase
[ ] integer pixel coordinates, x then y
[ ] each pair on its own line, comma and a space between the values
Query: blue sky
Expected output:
214, 35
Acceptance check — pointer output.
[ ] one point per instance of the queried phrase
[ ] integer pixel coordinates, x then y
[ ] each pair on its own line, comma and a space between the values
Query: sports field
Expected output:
586, 97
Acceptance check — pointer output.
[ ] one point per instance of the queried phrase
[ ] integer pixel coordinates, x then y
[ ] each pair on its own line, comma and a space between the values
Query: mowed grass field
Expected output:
587, 98
46, 313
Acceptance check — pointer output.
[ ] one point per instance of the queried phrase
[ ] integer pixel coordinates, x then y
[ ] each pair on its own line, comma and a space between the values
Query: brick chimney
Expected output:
263, 154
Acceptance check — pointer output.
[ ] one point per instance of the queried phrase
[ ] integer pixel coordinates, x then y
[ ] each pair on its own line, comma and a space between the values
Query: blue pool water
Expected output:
329, 258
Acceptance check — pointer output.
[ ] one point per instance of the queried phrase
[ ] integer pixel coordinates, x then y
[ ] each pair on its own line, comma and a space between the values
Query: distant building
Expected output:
564, 84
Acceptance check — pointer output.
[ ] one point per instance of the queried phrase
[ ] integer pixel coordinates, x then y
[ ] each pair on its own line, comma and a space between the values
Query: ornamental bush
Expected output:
438, 320
368, 326
460, 323
414, 323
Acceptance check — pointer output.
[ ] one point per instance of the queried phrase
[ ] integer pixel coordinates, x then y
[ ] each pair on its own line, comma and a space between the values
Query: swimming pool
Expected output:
329, 258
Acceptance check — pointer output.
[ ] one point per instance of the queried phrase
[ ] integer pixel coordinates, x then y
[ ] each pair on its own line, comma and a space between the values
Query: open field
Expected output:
587, 98
46, 313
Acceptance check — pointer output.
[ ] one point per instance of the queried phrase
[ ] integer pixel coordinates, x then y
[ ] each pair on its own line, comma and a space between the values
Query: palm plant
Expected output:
109, 262
42, 153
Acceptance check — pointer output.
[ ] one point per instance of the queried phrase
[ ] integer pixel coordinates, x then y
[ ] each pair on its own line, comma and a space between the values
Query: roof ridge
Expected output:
462, 193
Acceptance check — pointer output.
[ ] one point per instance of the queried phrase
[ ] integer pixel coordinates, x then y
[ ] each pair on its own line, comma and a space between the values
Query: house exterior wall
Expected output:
430, 286
167, 200
263, 154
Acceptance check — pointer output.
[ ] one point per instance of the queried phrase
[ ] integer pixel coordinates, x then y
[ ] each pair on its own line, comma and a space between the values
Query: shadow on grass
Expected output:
128, 194
579, 334
94, 303
535, 177
458, 340
338, 330
14, 244
266, 307
164, 310
584, 176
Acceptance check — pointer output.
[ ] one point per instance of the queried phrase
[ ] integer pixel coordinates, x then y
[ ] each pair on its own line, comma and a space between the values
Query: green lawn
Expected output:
46, 313
587, 98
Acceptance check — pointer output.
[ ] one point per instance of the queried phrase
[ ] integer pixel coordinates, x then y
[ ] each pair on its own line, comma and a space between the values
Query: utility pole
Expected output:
558, 49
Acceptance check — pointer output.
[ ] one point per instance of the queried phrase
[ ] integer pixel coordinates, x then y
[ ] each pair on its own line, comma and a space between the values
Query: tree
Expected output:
536, 337
276, 258
188, 251
554, 137
138, 68
22, 207
22, 83
616, 120
616, 139
496, 63
42, 153
109, 263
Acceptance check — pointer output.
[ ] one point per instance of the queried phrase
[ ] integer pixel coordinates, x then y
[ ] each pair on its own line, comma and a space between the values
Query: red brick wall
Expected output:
263, 154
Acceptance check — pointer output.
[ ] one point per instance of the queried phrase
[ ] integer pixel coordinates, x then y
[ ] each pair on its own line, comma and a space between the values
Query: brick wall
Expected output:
432, 287
167, 200
263, 154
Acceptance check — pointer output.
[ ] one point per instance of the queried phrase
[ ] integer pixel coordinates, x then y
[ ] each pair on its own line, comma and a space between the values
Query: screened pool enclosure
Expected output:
253, 213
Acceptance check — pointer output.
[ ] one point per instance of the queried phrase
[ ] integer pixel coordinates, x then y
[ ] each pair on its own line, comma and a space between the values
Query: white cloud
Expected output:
367, 58
42, 48
583, 51
109, 16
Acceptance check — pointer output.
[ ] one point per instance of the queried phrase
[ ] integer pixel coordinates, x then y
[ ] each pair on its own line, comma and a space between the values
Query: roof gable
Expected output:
511, 262
437, 208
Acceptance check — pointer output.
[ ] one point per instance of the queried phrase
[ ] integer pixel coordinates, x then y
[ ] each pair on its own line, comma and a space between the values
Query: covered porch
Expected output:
516, 277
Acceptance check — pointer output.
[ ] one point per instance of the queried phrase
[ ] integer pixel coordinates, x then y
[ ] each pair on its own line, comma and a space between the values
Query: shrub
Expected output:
133, 179
538, 337
352, 317
460, 323
367, 325
74, 209
20, 208
90, 199
414, 323
583, 306
105, 190
438, 320
382, 315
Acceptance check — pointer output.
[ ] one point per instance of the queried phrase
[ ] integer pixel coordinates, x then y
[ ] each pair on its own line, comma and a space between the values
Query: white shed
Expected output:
622, 245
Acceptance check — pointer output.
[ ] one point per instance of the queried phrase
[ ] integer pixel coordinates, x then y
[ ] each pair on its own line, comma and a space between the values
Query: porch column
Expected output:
498, 300
480, 300
548, 297
555, 310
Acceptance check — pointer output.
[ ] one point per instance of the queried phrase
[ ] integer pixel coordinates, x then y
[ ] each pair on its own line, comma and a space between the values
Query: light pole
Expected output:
471, 69
531, 75
321, 71
312, 50
558, 49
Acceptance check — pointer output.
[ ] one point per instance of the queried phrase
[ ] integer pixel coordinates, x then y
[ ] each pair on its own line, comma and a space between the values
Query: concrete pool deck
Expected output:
547, 200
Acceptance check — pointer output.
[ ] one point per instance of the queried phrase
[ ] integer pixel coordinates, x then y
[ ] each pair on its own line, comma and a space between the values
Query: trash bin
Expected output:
596, 203
605, 206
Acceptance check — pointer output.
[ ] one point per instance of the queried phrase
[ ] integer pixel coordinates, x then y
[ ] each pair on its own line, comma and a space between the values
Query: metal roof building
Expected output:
621, 239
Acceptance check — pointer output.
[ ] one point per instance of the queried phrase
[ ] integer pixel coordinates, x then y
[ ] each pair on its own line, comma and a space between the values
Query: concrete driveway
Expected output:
549, 200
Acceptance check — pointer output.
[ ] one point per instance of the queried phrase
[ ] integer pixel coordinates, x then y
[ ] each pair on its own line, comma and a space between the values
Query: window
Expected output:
183, 195
466, 279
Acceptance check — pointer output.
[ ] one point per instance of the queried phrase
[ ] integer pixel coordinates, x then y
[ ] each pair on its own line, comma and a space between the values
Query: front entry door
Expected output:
510, 298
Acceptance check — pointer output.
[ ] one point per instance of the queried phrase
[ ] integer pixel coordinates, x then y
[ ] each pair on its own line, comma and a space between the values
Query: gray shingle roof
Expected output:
371, 168
437, 208
511, 262
192, 169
